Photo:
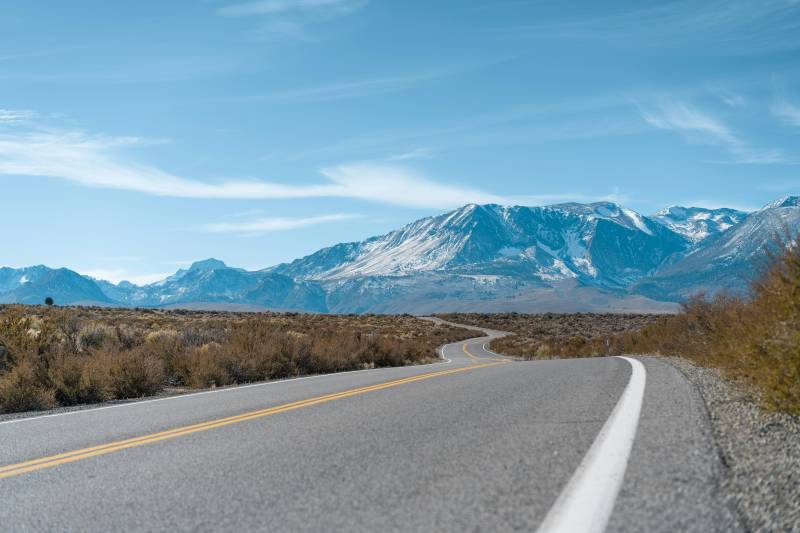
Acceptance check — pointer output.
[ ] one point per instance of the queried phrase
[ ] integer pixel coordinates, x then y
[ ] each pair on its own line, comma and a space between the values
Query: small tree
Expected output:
48, 301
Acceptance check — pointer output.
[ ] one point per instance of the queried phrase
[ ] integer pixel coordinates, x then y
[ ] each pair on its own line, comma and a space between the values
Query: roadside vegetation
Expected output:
547, 335
52, 356
753, 339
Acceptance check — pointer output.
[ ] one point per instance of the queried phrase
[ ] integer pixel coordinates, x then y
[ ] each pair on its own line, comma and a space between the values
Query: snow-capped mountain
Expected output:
565, 257
602, 244
212, 281
31, 285
730, 260
698, 223
205, 282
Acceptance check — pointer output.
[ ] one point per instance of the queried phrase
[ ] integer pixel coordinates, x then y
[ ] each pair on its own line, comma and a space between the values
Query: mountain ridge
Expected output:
597, 256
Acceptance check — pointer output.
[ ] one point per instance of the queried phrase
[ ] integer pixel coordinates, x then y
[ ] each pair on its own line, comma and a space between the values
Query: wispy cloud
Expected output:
719, 26
616, 197
403, 186
787, 112
416, 153
13, 116
335, 91
730, 98
528, 124
262, 225
102, 161
166, 70
290, 18
701, 126
274, 7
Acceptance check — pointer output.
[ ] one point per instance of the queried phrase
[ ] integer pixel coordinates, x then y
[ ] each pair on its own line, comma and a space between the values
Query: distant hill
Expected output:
565, 257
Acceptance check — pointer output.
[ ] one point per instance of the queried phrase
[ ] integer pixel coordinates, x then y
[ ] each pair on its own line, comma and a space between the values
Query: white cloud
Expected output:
289, 18
268, 224
275, 7
115, 275
11, 116
680, 117
402, 186
787, 112
417, 153
99, 161
731, 99
722, 27
336, 91
700, 126
549, 199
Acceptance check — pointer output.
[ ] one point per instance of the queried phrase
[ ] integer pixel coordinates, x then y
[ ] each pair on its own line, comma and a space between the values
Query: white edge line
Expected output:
490, 351
444, 361
586, 503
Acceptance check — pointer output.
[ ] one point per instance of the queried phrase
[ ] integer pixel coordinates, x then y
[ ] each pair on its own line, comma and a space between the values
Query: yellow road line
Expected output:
476, 358
111, 447
467, 352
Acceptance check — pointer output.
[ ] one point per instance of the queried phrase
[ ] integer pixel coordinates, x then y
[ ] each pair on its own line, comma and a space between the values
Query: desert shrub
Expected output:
196, 336
135, 374
65, 375
23, 389
754, 338
81, 354
95, 385
202, 367
16, 333
67, 329
127, 337
80, 379
91, 337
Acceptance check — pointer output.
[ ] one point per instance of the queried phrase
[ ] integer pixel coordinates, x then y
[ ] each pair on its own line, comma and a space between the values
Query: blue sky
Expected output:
136, 137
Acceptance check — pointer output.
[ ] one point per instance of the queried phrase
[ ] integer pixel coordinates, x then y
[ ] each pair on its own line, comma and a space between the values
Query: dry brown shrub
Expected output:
135, 374
22, 389
202, 367
755, 339
86, 354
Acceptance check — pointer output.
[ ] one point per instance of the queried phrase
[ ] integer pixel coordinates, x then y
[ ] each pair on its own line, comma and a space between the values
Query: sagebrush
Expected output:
753, 338
65, 356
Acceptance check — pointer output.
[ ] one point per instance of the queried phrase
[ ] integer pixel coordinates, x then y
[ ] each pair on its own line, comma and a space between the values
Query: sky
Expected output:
139, 136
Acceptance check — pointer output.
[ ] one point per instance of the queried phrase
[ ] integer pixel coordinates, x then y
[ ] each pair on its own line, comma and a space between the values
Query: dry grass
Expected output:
66, 356
754, 339
551, 334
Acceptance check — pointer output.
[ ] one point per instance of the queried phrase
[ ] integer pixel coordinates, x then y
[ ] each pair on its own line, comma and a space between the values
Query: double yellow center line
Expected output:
476, 358
111, 447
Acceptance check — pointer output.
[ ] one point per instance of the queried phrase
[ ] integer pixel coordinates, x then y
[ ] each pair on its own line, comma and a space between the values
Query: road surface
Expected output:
477, 442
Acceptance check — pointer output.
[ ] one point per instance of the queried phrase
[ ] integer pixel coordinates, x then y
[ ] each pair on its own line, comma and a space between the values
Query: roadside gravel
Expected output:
760, 449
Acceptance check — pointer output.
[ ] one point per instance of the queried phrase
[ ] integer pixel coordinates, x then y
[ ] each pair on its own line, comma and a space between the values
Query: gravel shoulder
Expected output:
760, 450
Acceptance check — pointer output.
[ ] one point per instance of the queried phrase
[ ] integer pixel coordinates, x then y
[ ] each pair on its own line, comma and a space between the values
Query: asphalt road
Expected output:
474, 443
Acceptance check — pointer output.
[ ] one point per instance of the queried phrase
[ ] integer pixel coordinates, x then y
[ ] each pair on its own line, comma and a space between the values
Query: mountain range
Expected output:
564, 257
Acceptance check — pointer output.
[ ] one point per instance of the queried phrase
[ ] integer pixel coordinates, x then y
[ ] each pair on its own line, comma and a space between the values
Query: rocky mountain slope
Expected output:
565, 257
600, 244
698, 223
730, 260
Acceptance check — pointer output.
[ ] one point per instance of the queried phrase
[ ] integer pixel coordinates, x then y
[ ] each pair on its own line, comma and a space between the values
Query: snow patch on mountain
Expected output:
698, 223
543, 244
786, 201
489, 256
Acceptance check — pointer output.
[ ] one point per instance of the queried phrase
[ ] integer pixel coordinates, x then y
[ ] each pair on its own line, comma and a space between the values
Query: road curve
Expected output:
478, 442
